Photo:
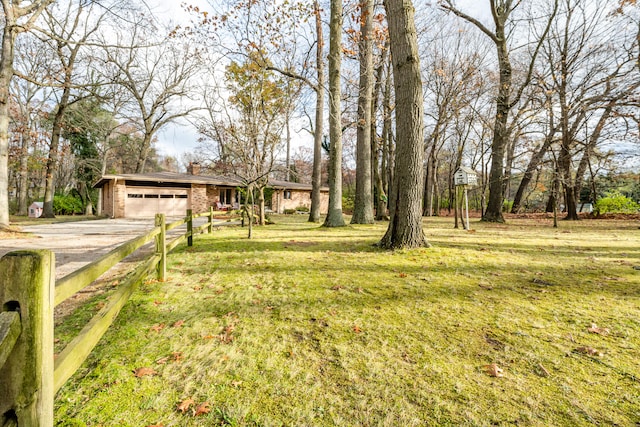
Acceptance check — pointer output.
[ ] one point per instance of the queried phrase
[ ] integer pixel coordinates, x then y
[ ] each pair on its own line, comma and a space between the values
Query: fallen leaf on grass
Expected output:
493, 370
202, 409
185, 405
144, 372
177, 356
100, 305
178, 323
197, 288
236, 383
402, 275
158, 327
208, 337
337, 287
594, 329
589, 351
356, 329
157, 303
156, 425
162, 360
226, 336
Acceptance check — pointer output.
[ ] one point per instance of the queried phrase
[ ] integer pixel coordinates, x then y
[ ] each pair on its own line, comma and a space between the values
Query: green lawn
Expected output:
306, 326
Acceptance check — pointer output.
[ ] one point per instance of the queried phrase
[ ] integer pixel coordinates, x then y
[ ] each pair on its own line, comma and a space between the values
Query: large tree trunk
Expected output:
52, 160
493, 213
378, 143
387, 137
334, 216
23, 201
363, 206
405, 226
6, 73
316, 177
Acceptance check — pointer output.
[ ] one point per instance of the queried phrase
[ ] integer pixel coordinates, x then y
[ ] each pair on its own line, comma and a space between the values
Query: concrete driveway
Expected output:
78, 243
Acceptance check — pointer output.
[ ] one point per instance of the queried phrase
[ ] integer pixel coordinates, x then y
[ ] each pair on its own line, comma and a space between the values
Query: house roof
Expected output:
182, 178
37, 204
171, 177
286, 185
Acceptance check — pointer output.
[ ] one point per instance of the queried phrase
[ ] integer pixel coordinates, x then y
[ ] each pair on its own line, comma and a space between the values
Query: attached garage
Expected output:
144, 202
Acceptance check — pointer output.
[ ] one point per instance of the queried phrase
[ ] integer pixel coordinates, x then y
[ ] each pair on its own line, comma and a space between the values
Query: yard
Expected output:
515, 323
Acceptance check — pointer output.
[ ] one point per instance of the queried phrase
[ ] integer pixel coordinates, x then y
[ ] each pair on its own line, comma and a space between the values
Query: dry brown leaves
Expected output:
201, 409
594, 329
144, 372
493, 370
158, 327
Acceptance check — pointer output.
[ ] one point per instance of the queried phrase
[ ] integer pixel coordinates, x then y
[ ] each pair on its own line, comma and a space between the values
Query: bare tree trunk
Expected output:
261, 218
144, 153
531, 168
6, 73
52, 160
334, 216
589, 147
316, 178
363, 206
23, 200
12, 12
288, 138
405, 225
377, 144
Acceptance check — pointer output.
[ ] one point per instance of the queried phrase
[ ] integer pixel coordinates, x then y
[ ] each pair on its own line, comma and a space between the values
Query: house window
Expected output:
151, 196
226, 196
135, 196
166, 196
287, 194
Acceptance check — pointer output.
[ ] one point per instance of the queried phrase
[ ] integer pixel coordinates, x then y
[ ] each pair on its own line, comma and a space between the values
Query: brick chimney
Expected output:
193, 168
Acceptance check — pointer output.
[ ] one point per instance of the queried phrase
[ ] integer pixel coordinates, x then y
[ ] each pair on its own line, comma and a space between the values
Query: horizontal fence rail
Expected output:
81, 278
29, 377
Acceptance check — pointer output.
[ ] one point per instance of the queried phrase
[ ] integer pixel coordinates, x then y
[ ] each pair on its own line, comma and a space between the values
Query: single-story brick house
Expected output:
144, 195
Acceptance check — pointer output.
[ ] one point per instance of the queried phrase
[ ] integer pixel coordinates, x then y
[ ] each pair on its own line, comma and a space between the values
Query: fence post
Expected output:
189, 227
27, 284
161, 247
210, 219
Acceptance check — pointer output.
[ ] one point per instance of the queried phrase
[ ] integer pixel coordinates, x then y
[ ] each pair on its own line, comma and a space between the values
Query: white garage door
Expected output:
144, 202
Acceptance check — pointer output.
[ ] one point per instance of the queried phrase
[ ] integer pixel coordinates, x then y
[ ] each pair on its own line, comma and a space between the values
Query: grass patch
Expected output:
310, 326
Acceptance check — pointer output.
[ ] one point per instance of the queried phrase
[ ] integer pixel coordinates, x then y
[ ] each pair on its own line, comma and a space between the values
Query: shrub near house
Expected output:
616, 202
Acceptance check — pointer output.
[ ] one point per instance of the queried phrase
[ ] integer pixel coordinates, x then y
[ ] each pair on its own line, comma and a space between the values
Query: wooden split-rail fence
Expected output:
29, 375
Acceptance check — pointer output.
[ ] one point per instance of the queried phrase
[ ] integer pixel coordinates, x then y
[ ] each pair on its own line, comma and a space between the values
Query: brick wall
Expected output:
120, 195
212, 195
107, 199
298, 198
198, 199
